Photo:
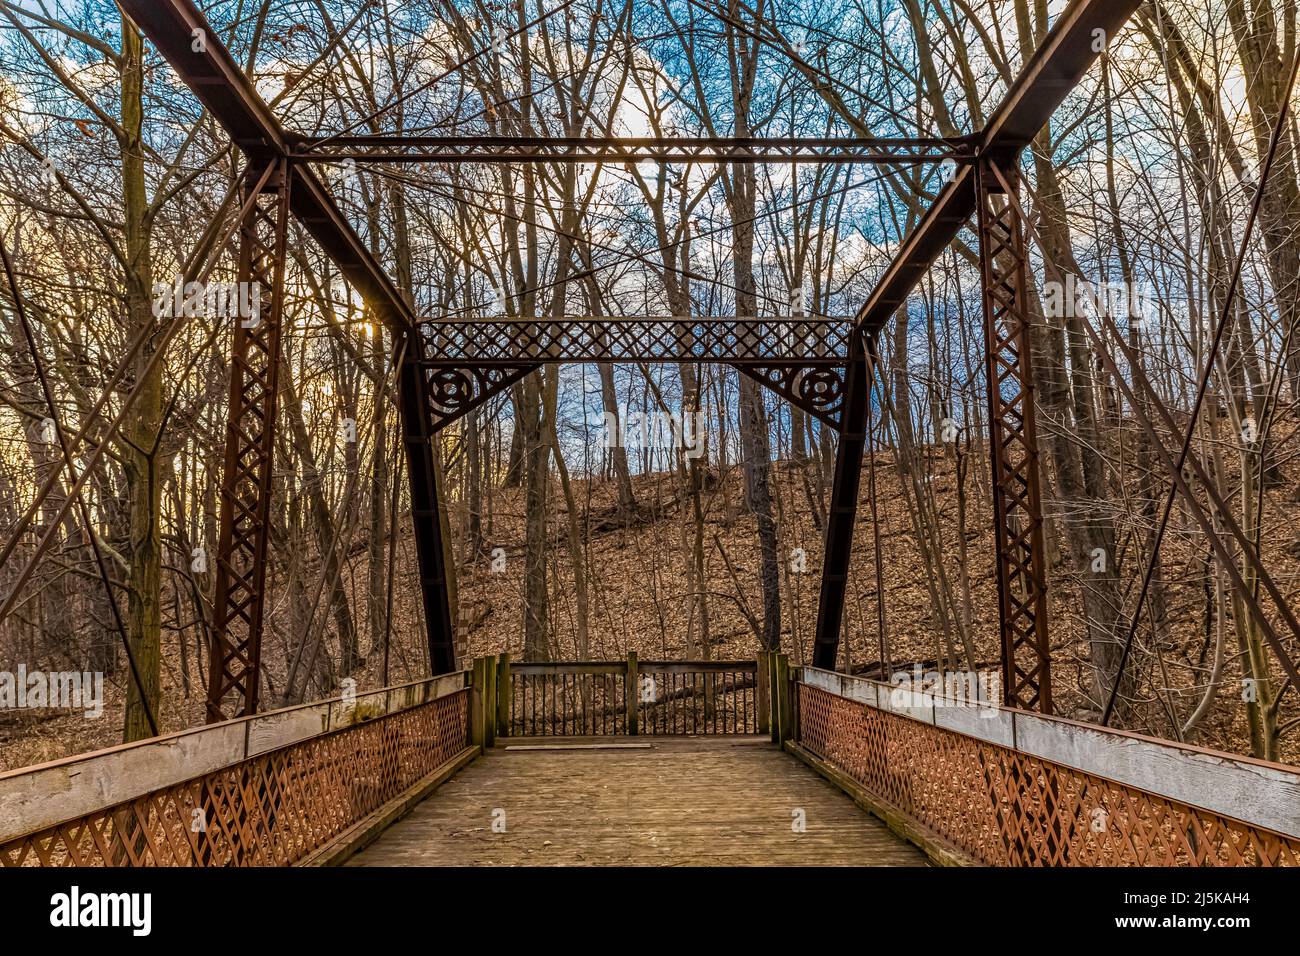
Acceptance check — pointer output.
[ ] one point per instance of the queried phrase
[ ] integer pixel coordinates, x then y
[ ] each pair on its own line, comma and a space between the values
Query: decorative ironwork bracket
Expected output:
817, 389
804, 360
456, 390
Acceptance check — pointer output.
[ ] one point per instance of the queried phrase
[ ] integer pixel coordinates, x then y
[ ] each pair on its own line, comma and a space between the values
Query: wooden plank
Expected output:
555, 668
994, 724
503, 695
490, 665
34, 799
699, 667
632, 696
579, 746
784, 701
692, 802
281, 728
477, 704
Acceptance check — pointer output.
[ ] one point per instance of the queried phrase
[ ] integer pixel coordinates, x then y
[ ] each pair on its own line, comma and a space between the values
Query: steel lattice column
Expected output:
1022, 581
233, 675
418, 437
842, 514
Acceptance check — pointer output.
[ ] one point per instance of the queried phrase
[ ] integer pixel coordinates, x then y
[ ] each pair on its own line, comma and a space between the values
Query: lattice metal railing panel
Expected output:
736, 341
1018, 521
268, 810
1006, 808
250, 443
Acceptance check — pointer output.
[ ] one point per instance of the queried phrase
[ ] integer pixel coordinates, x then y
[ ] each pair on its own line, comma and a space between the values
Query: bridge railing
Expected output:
631, 697
1000, 786
271, 789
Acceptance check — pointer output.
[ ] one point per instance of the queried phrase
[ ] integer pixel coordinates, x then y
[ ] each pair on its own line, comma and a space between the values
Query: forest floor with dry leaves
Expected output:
639, 599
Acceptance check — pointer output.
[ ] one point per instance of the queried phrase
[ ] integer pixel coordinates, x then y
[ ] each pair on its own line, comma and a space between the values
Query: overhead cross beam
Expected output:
804, 360
395, 148
731, 339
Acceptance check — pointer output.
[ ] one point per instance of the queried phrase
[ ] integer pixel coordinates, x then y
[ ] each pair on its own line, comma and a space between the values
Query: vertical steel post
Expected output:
418, 437
1013, 442
843, 511
235, 654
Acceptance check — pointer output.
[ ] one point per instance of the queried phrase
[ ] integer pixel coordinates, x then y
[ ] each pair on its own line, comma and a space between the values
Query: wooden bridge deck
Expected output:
653, 802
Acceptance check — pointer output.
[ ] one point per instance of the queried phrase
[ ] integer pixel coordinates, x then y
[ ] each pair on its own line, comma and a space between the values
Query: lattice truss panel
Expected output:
1014, 447
801, 359
269, 810
1005, 808
250, 443
707, 339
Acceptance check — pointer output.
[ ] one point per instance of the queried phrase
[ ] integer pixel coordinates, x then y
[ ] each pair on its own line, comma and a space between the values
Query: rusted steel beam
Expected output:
1013, 442
418, 438
841, 517
1056, 67
623, 149
235, 652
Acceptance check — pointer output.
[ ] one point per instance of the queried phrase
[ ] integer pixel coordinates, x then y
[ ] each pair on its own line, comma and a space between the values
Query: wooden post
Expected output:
476, 682
631, 694
763, 692
793, 684
503, 695
782, 694
773, 697
489, 701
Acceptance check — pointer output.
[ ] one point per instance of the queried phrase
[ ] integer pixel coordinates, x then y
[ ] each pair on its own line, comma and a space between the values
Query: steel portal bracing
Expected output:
611, 149
802, 360
435, 387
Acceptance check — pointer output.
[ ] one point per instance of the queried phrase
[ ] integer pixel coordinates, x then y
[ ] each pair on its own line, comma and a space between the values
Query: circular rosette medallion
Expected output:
450, 388
820, 387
